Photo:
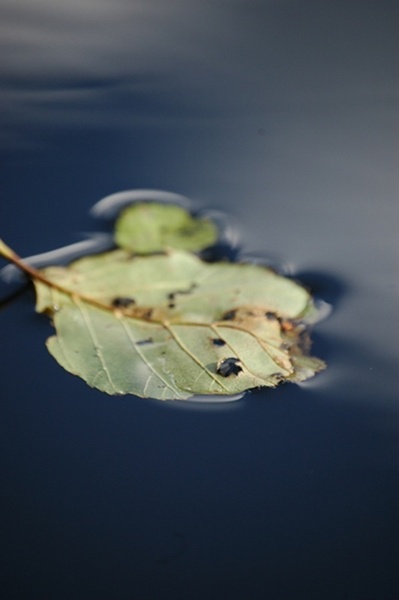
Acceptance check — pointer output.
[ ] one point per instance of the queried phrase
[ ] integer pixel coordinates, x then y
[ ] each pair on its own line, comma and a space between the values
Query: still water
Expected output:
282, 114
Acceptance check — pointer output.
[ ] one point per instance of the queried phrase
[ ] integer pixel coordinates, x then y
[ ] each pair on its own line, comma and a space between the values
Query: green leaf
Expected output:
158, 322
172, 326
146, 228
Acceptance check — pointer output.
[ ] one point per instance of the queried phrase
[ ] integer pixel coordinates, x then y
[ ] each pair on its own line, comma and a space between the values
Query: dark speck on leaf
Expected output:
143, 342
271, 316
120, 302
218, 342
171, 305
229, 315
229, 366
278, 377
189, 291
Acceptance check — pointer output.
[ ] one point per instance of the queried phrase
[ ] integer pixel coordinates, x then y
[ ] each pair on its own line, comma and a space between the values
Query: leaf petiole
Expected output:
9, 254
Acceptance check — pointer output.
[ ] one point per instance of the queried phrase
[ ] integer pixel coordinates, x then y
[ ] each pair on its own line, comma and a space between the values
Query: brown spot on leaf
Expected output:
287, 325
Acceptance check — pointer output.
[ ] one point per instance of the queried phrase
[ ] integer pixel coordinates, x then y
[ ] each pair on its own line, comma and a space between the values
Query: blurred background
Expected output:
284, 115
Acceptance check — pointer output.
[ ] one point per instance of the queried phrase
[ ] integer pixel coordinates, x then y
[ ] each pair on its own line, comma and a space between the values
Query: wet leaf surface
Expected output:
147, 227
171, 326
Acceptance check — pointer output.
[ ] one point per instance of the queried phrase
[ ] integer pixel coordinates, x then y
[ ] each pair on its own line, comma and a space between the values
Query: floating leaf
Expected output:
172, 326
145, 228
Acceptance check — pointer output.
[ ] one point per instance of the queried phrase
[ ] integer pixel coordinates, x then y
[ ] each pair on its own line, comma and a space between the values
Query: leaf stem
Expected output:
139, 313
34, 274
9, 254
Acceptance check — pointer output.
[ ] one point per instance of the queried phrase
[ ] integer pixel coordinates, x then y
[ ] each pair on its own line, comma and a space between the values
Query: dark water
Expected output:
284, 115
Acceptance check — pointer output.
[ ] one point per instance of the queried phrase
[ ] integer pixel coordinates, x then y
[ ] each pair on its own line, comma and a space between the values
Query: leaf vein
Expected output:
192, 356
262, 343
93, 336
61, 341
136, 348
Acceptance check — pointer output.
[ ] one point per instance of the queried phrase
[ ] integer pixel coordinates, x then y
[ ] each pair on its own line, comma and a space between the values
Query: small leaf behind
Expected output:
146, 228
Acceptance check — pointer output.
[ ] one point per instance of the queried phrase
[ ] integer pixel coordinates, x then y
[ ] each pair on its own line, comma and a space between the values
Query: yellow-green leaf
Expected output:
172, 326
153, 319
145, 228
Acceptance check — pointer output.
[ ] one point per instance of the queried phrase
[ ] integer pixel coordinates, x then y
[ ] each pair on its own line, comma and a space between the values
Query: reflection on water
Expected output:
110, 207
94, 65
115, 65
208, 402
98, 242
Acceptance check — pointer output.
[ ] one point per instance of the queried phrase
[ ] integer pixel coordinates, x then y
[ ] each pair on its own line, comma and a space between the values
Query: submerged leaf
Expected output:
151, 227
172, 326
